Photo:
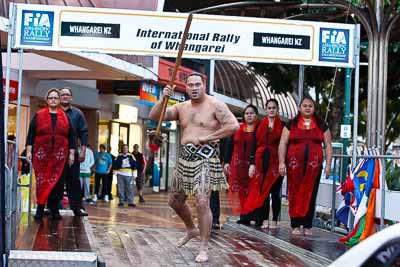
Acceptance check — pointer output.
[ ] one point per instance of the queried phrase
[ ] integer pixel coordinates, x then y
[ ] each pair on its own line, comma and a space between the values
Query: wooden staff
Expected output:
156, 138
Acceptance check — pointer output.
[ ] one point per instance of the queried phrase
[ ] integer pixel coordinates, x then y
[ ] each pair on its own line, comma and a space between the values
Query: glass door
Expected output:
123, 135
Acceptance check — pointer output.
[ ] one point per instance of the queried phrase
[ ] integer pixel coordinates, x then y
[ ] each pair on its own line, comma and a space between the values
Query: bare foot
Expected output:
189, 235
265, 225
307, 232
296, 231
273, 225
202, 257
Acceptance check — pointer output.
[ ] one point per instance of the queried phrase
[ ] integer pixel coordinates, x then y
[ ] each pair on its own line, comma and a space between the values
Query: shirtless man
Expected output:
203, 120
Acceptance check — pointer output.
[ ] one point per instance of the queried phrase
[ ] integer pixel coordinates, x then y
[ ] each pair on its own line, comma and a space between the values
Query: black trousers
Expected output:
276, 200
103, 179
215, 206
109, 183
307, 221
56, 194
73, 184
258, 215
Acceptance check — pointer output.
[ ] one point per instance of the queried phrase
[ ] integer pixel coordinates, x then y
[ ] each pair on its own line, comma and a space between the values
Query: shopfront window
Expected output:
104, 133
114, 139
123, 135
135, 136
172, 154
24, 123
115, 134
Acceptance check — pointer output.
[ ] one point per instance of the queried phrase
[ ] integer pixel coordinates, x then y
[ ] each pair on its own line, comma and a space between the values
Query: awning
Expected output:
89, 65
240, 82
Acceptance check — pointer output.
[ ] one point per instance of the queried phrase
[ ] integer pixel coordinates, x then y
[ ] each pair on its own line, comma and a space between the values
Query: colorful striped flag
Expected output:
365, 179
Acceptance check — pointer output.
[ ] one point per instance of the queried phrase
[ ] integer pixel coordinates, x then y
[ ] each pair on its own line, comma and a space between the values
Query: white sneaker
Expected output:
94, 198
106, 198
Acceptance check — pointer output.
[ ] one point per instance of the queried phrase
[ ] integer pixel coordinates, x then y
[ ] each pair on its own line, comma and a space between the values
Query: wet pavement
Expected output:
318, 250
146, 236
68, 234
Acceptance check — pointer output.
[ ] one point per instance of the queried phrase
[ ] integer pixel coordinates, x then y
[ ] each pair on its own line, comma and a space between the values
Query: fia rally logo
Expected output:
37, 27
334, 45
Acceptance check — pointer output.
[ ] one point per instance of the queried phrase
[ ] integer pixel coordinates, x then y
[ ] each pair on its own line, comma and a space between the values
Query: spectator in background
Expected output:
103, 164
149, 171
50, 145
125, 167
85, 173
110, 175
25, 168
141, 166
11, 150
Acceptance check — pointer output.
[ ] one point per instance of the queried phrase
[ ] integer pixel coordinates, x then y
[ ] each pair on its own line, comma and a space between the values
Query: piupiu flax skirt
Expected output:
199, 170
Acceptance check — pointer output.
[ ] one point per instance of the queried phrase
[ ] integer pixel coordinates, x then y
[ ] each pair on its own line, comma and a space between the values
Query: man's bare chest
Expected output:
198, 118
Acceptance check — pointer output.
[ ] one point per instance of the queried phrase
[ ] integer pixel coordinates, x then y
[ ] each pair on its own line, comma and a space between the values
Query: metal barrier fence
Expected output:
10, 196
12, 184
337, 173
28, 185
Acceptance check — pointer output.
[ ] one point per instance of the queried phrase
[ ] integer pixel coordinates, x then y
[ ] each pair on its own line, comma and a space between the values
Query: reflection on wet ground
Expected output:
146, 236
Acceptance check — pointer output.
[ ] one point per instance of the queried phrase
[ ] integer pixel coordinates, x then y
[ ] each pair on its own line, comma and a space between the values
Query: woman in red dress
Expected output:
237, 156
265, 177
302, 139
50, 146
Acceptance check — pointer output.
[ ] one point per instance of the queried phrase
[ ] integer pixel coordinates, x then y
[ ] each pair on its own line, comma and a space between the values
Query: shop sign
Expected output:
126, 114
165, 69
153, 124
345, 131
149, 33
176, 97
149, 93
13, 89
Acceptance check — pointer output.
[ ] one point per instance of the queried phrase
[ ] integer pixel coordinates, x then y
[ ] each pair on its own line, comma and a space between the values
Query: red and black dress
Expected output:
51, 137
267, 179
304, 165
238, 150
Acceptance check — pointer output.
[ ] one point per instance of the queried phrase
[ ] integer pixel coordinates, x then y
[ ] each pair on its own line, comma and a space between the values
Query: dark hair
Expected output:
103, 146
273, 100
67, 88
320, 122
52, 90
194, 74
306, 97
135, 145
247, 107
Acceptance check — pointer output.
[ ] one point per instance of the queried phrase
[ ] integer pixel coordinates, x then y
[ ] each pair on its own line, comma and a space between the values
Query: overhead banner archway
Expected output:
60, 28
